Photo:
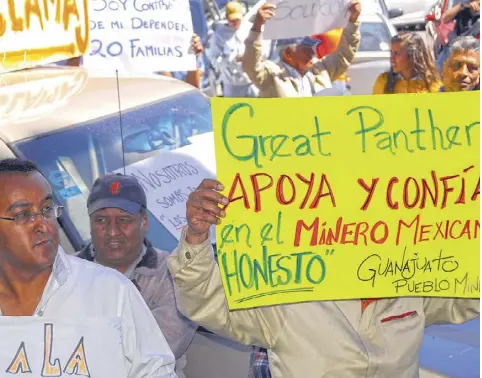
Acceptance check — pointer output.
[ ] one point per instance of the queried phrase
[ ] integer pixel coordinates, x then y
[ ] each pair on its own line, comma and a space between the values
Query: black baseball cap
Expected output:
118, 191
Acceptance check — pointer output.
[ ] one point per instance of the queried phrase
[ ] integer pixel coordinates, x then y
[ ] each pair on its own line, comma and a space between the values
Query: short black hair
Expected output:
13, 165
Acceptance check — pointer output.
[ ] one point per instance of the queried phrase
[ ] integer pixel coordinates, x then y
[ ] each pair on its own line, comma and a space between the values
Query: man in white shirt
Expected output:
226, 52
39, 281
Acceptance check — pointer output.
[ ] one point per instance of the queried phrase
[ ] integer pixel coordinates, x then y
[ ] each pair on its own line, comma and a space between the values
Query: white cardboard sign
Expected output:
300, 18
141, 35
169, 178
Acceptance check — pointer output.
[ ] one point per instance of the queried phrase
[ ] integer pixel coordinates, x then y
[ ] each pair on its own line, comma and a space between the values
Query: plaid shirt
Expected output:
259, 365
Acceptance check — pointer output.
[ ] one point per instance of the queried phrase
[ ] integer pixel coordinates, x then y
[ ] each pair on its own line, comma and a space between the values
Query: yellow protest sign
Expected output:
348, 197
35, 32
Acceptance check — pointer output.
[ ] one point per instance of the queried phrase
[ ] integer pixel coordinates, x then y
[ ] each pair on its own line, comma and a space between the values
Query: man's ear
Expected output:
145, 222
288, 55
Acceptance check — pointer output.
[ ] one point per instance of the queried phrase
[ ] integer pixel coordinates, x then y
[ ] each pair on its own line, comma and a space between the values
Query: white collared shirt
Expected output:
79, 289
304, 85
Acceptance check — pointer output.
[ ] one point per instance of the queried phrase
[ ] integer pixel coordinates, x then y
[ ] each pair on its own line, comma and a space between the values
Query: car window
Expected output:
375, 36
73, 158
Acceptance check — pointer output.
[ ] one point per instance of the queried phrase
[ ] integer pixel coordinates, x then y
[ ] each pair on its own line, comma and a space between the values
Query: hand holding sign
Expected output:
354, 10
202, 209
300, 18
265, 12
197, 45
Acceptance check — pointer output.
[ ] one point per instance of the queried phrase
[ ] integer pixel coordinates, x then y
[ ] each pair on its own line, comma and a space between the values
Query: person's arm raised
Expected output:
194, 77
451, 13
338, 62
199, 289
252, 61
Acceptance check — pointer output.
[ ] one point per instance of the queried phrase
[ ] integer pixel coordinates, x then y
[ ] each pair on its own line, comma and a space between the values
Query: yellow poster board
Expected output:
348, 197
36, 32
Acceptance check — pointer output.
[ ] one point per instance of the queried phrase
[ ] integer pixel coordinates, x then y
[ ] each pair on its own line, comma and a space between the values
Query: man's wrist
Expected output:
257, 25
256, 28
195, 238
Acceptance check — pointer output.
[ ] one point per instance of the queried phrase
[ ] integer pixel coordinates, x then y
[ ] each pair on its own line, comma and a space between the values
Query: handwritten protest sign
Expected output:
44, 347
35, 32
141, 35
169, 177
348, 197
299, 18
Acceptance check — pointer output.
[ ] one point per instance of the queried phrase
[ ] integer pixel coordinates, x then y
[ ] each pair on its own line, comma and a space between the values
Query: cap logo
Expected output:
115, 187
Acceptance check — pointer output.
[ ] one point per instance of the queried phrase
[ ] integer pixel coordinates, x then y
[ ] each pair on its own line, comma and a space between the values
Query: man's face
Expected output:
235, 24
300, 58
117, 236
461, 71
31, 247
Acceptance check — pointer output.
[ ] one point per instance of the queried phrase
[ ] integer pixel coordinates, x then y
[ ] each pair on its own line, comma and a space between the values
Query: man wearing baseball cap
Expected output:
226, 52
298, 75
117, 208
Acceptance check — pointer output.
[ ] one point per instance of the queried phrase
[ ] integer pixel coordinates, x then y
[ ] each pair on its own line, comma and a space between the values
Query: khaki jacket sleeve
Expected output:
200, 296
338, 62
450, 310
253, 63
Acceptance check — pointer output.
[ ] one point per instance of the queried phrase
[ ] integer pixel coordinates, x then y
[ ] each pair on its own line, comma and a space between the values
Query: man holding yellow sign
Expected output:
393, 204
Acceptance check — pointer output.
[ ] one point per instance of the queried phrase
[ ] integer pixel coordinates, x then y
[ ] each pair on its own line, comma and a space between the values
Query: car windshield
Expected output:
375, 36
73, 158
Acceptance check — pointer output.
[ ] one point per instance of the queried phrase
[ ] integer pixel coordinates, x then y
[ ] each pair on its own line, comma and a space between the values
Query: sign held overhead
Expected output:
299, 18
36, 32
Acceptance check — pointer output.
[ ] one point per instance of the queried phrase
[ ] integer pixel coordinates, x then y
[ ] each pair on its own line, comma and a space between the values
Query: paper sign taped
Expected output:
45, 347
36, 32
301, 18
349, 197
141, 35
170, 177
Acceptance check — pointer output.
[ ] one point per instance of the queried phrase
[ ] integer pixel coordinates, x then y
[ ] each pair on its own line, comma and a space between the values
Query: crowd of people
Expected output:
162, 298
253, 67
314, 63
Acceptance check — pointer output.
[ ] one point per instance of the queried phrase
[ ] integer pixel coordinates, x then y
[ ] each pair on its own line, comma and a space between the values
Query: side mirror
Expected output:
395, 12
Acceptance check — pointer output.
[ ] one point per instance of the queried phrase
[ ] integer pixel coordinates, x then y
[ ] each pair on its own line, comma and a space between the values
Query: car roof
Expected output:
41, 100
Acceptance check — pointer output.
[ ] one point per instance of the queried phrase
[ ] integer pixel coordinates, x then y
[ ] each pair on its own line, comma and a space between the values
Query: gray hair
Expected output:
463, 44
291, 46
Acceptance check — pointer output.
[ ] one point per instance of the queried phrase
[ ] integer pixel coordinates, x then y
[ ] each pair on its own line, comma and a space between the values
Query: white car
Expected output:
412, 12
373, 56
